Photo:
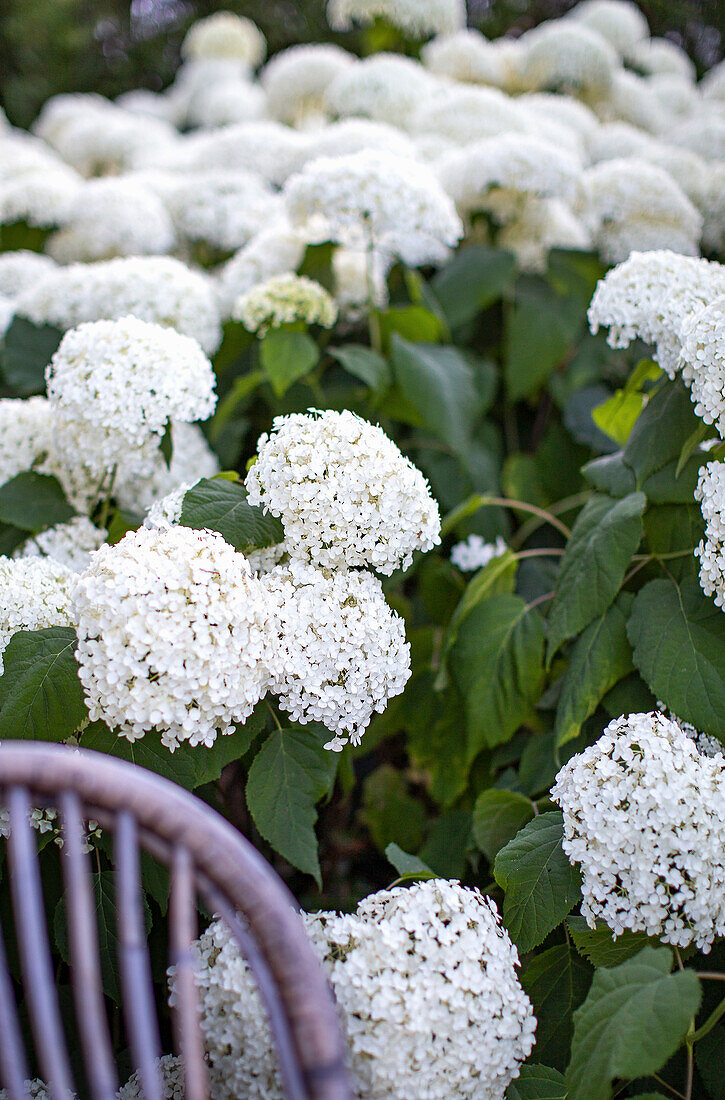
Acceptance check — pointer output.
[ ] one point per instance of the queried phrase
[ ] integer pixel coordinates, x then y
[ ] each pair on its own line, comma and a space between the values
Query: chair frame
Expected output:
205, 856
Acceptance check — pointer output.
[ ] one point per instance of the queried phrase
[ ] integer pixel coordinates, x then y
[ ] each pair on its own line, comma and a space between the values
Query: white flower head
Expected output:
474, 552
342, 651
34, 594
411, 963
282, 300
418, 19
710, 492
171, 1070
374, 200
70, 543
703, 361
466, 56
344, 492
21, 269
562, 55
644, 817
620, 22
113, 217
173, 635
224, 208
25, 436
296, 79
226, 35
386, 87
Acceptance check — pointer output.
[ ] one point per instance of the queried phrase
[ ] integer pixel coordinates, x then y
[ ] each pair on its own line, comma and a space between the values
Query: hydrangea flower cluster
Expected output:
411, 963
644, 817
710, 492
282, 300
416, 19
33, 594
171, 1070
172, 635
703, 361
70, 543
474, 552
225, 35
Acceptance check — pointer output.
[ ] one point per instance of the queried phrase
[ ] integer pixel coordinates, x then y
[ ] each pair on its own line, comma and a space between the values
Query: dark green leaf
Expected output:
667, 486
599, 946
497, 662
166, 446
439, 383
10, 539
475, 278
540, 884
412, 323
634, 1019
286, 357
662, 429
497, 818
605, 536
221, 505
289, 774
33, 502
364, 363
407, 866
679, 648
708, 1059
446, 847
26, 351
630, 696
390, 812
41, 697
557, 981
537, 1082
537, 338
600, 657
610, 474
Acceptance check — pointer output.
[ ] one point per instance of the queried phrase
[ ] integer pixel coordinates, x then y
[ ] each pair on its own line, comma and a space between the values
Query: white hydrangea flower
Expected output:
712, 85
571, 113
223, 208
346, 495
660, 55
466, 56
631, 99
474, 552
266, 558
644, 817
354, 135
541, 225
34, 594
20, 270
282, 300
703, 362
676, 95
70, 543
386, 87
25, 436
191, 459
271, 150
226, 35
42, 198
710, 492
419, 20
166, 512
462, 115
648, 297
636, 206
113, 217
562, 55
411, 963
171, 1069
296, 79
151, 288
712, 207
614, 140
378, 201
342, 650
114, 386
704, 136
359, 277
102, 139
7, 312
273, 251
45, 820
226, 102
173, 635
620, 22
37, 1090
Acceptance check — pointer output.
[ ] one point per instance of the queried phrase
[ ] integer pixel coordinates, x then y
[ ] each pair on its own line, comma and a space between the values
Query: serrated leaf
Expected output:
439, 383
540, 884
34, 502
633, 1020
41, 697
407, 866
557, 981
599, 946
679, 648
286, 357
605, 536
222, 505
289, 774
26, 351
662, 429
475, 278
497, 662
600, 657
610, 474
497, 817
365, 364
537, 1082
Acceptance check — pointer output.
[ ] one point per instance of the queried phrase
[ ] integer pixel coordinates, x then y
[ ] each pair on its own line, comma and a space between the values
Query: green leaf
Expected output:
407, 866
708, 1059
412, 323
439, 383
540, 884
634, 1019
365, 364
41, 697
701, 432
616, 417
497, 818
390, 812
668, 486
679, 648
289, 774
600, 657
605, 536
557, 981
222, 505
286, 357
166, 446
475, 278
104, 894
26, 351
599, 946
447, 844
188, 766
536, 1082
34, 502
662, 430
537, 337
610, 474
675, 529
497, 662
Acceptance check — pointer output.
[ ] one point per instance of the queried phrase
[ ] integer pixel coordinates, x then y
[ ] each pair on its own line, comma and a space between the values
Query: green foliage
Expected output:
476, 278
33, 502
537, 1082
286, 357
438, 383
557, 981
365, 364
390, 812
220, 504
497, 817
41, 697
25, 353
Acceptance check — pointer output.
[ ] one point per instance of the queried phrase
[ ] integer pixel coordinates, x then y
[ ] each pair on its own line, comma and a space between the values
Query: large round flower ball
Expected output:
425, 981
344, 492
173, 635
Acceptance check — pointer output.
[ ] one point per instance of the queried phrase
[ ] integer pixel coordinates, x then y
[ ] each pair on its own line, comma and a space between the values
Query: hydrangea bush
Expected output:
362, 469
